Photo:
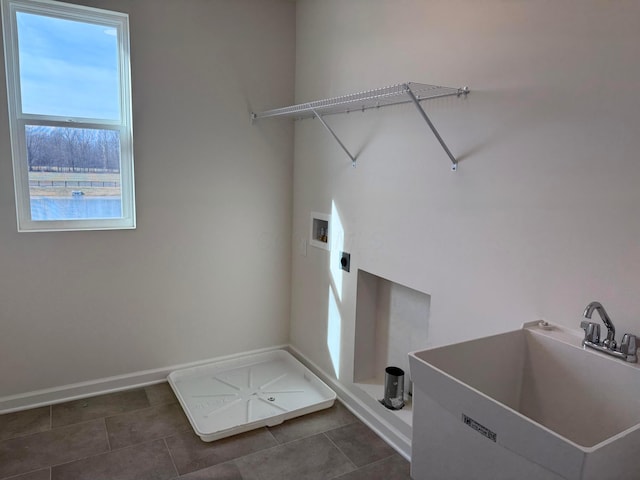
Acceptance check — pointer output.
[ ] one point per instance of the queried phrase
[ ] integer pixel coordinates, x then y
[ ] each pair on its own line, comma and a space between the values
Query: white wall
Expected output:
539, 220
541, 216
207, 271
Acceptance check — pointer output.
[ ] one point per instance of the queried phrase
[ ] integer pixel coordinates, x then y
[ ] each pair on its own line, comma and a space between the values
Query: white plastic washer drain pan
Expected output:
234, 396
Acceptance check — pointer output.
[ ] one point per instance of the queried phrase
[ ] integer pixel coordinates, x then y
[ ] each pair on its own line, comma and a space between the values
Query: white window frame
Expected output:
18, 120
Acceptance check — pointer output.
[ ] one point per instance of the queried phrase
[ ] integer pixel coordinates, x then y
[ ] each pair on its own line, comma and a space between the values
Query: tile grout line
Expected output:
273, 436
235, 459
106, 433
368, 465
166, 445
358, 467
311, 434
277, 445
355, 467
176, 432
22, 435
149, 405
51, 429
50, 466
18, 475
106, 452
138, 409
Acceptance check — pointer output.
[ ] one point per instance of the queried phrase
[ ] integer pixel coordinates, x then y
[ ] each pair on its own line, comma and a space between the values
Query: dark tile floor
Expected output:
143, 435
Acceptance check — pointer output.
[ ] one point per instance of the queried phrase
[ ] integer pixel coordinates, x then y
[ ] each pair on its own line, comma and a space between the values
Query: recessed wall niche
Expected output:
319, 235
391, 321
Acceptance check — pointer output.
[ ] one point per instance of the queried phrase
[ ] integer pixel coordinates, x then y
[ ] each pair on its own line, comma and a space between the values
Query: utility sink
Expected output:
527, 404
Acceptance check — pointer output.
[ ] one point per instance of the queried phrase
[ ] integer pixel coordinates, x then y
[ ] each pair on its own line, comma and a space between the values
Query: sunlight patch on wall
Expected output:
337, 246
334, 332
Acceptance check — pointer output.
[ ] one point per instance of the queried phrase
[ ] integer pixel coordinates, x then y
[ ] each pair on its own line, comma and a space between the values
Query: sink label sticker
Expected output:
481, 429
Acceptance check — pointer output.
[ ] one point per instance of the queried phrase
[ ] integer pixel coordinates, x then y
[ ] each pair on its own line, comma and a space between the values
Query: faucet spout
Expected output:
610, 341
628, 350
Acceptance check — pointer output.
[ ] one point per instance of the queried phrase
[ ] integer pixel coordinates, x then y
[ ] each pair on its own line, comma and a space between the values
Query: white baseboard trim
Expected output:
75, 391
400, 442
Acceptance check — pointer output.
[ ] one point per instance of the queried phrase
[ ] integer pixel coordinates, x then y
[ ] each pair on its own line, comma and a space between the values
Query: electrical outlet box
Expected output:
345, 261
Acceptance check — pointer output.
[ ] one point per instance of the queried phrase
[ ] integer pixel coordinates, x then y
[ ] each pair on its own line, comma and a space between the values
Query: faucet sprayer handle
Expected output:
591, 331
628, 345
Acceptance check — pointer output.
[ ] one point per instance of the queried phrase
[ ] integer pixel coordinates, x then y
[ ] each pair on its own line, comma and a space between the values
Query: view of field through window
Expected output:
69, 69
73, 173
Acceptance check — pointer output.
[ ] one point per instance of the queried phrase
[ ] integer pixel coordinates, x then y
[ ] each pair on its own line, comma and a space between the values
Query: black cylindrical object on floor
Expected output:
393, 388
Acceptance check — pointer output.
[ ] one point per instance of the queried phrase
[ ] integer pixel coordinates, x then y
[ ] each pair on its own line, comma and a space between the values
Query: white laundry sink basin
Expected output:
531, 403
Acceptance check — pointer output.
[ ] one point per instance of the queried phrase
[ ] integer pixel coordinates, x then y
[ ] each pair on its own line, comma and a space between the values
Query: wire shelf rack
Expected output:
379, 97
410, 92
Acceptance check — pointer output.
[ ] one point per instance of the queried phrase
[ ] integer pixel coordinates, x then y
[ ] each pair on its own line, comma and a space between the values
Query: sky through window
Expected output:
68, 68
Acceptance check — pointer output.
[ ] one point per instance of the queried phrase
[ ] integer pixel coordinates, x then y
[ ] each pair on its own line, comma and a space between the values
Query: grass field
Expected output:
58, 184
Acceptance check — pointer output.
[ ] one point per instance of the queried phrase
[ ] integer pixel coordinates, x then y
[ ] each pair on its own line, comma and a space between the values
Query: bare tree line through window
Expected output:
69, 149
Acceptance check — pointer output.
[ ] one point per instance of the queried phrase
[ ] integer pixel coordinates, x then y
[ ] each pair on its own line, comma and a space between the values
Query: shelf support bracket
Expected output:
454, 162
333, 134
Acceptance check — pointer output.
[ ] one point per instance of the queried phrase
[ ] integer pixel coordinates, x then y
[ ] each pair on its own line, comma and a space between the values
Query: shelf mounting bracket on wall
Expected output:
416, 102
409, 92
330, 130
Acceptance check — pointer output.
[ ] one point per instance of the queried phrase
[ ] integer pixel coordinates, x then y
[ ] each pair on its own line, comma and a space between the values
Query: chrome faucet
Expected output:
628, 347
610, 341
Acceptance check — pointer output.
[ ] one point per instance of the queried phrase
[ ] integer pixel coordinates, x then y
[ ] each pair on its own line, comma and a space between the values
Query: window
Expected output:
69, 100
